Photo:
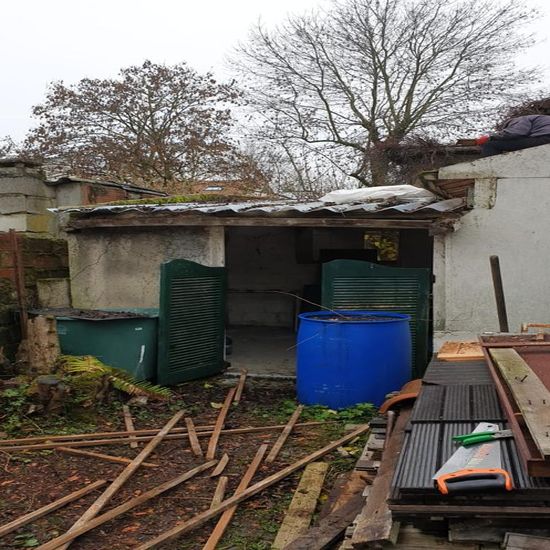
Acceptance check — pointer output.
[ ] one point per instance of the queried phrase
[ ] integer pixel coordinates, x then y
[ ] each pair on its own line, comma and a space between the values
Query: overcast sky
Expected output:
46, 40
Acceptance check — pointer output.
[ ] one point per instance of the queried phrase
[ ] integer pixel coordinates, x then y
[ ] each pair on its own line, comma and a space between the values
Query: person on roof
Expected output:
517, 133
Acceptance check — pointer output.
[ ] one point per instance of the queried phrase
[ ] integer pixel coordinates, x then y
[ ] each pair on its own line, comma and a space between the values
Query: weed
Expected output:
357, 414
25, 540
13, 401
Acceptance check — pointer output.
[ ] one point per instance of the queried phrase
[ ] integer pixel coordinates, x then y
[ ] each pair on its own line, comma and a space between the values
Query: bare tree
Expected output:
154, 123
357, 79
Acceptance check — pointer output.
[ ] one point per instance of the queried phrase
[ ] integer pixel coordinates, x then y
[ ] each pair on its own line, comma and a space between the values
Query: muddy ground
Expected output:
29, 480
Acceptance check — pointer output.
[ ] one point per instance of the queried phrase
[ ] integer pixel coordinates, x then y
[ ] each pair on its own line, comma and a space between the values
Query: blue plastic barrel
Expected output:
350, 357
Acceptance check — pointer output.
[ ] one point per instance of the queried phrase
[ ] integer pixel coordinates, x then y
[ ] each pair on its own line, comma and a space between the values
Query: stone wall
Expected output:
43, 258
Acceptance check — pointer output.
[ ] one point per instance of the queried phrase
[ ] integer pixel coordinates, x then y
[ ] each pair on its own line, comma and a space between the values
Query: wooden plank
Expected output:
202, 518
240, 386
302, 507
61, 541
94, 435
221, 465
55, 505
169, 437
284, 435
120, 480
531, 395
411, 538
460, 351
375, 523
219, 493
351, 484
458, 510
20, 288
101, 456
162, 220
128, 421
193, 439
213, 443
330, 529
516, 541
227, 516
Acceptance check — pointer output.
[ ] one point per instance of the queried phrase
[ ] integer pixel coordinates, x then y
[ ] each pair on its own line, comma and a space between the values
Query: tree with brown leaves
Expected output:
154, 124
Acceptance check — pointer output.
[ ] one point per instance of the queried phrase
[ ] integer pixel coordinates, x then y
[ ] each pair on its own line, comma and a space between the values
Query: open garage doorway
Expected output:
274, 273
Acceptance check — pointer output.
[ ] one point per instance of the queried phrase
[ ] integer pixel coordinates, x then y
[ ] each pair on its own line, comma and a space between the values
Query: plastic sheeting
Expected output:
402, 193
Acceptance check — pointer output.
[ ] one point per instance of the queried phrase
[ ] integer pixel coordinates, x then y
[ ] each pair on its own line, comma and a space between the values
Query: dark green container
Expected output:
128, 343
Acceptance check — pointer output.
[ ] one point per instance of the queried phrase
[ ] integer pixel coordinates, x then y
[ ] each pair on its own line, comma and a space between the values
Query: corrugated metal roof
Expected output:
283, 208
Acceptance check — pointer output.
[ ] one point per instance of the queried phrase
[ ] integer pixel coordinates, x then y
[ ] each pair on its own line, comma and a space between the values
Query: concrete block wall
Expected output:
43, 257
24, 200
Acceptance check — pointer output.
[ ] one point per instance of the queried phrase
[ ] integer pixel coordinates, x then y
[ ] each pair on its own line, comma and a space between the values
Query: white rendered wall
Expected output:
512, 220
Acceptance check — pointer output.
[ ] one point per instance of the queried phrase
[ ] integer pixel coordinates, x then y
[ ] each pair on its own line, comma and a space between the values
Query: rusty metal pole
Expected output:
20, 284
499, 294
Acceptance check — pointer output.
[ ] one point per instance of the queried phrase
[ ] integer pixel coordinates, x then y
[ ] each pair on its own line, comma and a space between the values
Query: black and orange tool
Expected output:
475, 468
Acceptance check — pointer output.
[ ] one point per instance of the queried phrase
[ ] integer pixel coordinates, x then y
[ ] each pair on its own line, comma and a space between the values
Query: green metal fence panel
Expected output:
191, 321
352, 284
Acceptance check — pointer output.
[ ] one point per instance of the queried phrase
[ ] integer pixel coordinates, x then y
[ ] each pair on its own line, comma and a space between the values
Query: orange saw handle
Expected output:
474, 480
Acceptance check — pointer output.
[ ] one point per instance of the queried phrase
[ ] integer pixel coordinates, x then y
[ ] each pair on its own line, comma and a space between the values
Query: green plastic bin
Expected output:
128, 343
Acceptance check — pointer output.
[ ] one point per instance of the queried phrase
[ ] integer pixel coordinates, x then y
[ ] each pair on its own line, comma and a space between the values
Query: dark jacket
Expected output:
525, 126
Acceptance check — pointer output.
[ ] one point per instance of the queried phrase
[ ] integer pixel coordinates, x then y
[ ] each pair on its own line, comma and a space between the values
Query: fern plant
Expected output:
120, 379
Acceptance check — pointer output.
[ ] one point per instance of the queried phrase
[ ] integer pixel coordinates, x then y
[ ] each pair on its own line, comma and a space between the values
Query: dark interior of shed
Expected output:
275, 273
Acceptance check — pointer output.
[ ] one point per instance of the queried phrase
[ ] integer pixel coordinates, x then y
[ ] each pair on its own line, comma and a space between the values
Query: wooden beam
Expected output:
302, 507
221, 466
213, 443
284, 434
180, 219
468, 510
20, 288
56, 504
531, 395
129, 423
219, 493
240, 386
330, 529
204, 517
119, 481
193, 439
169, 437
225, 520
67, 538
93, 435
101, 456
375, 524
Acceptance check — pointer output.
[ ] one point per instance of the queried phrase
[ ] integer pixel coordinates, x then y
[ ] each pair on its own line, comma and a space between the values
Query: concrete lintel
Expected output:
528, 163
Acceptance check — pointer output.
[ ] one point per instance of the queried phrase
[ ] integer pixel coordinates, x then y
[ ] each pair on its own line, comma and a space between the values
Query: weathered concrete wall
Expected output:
121, 268
260, 259
509, 219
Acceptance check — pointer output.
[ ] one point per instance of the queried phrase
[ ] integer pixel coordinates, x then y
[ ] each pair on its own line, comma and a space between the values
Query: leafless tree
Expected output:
154, 123
357, 79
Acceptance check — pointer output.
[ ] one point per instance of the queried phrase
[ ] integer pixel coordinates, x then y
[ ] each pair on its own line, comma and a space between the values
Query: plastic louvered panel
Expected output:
352, 284
191, 321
